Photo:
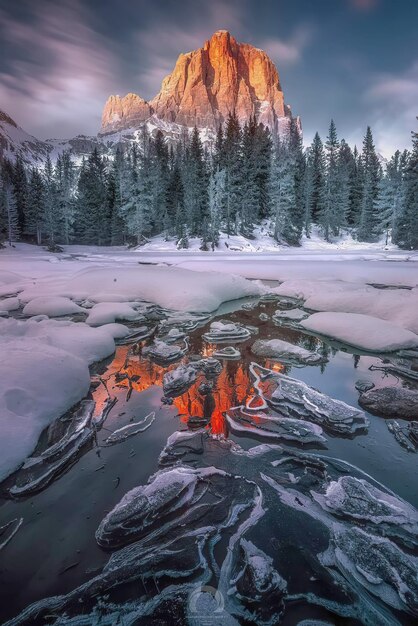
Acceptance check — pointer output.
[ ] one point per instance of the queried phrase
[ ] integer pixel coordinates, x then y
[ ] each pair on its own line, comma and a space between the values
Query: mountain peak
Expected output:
207, 85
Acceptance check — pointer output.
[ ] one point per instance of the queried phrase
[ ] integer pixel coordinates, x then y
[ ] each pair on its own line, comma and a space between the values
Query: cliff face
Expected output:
205, 86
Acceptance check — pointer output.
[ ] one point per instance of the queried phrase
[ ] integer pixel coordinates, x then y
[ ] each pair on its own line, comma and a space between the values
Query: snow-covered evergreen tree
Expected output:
407, 228
317, 166
328, 217
51, 217
9, 218
36, 205
368, 228
216, 203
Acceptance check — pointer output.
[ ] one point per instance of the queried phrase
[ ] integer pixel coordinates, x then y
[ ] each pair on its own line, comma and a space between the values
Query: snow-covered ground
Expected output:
44, 369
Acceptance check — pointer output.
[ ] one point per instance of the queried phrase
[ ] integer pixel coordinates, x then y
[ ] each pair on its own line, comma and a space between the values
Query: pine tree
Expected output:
328, 217
356, 189
407, 229
317, 164
233, 172
65, 188
93, 218
9, 218
20, 192
216, 203
36, 206
368, 228
50, 213
283, 195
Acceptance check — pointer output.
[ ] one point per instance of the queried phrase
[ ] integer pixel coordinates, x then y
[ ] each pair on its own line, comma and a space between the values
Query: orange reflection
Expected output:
231, 387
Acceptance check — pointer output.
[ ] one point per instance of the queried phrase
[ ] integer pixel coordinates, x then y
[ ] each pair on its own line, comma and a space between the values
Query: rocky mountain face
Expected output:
205, 86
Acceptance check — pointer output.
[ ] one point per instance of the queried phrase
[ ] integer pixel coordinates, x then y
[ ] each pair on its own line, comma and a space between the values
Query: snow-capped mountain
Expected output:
205, 86
15, 141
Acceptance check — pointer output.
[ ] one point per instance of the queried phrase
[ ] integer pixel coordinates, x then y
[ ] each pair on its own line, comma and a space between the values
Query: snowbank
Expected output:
108, 312
361, 331
54, 306
43, 372
169, 287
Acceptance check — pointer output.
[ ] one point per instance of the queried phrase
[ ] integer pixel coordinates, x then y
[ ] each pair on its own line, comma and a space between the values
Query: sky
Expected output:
355, 61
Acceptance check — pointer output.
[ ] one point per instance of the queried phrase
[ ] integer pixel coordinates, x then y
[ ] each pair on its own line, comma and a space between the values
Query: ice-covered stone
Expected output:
268, 426
229, 352
177, 381
131, 429
162, 352
224, 331
364, 385
377, 564
285, 351
38, 472
358, 500
391, 402
258, 585
147, 507
289, 316
293, 398
406, 436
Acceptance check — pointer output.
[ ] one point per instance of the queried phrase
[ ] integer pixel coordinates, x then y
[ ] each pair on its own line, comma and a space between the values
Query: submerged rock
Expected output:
285, 351
293, 398
364, 385
258, 586
406, 436
391, 402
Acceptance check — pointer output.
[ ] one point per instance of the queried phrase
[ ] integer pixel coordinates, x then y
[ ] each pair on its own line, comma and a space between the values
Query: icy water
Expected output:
279, 533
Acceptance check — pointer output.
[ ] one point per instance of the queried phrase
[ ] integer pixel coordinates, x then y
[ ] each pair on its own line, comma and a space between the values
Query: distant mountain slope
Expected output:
14, 140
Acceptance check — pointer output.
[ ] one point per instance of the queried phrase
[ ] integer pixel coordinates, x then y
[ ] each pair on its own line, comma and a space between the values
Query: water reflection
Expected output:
232, 387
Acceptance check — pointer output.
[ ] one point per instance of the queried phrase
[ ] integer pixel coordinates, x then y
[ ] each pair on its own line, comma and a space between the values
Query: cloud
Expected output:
59, 72
393, 99
162, 44
289, 51
364, 5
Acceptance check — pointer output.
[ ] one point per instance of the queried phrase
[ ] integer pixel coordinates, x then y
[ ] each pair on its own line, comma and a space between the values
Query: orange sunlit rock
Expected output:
207, 85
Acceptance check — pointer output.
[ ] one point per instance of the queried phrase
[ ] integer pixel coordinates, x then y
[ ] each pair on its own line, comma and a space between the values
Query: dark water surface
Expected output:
55, 549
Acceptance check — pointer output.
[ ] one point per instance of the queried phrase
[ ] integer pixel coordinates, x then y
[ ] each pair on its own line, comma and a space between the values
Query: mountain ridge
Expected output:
205, 86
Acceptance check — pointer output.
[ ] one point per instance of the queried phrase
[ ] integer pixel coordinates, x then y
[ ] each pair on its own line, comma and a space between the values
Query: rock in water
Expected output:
377, 564
273, 427
258, 585
164, 353
284, 351
391, 402
225, 331
177, 381
229, 352
293, 398
364, 385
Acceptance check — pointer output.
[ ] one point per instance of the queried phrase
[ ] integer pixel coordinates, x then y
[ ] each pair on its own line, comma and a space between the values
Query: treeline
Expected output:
186, 191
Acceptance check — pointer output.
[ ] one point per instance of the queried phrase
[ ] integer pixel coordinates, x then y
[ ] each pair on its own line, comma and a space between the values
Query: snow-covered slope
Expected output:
15, 141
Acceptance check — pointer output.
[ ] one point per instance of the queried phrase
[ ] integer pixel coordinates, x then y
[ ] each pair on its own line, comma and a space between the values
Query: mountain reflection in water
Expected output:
232, 387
